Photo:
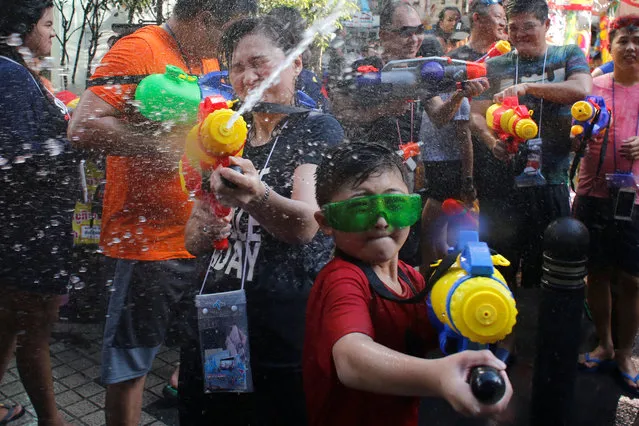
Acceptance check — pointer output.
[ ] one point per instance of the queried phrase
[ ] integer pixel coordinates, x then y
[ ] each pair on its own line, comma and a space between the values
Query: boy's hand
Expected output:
455, 387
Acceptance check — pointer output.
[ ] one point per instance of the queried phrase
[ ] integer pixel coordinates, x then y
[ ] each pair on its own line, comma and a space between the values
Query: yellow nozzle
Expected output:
503, 46
582, 111
526, 129
576, 130
483, 310
217, 138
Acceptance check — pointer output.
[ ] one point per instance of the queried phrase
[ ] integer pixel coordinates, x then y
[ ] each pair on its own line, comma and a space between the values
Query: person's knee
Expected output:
629, 284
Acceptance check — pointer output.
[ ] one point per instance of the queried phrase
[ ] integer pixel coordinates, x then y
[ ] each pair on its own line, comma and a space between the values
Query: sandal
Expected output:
630, 390
14, 412
600, 364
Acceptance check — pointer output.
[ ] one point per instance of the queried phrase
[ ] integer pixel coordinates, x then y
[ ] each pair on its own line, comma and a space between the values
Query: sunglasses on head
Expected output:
362, 213
408, 31
490, 2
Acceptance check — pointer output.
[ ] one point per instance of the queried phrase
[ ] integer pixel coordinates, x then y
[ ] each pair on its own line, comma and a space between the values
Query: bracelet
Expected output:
267, 193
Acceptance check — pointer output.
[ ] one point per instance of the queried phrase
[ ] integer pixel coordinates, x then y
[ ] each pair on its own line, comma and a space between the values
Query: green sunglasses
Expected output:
361, 214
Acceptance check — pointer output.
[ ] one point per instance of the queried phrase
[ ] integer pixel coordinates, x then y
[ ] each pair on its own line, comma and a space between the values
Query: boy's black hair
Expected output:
539, 8
352, 163
282, 34
222, 10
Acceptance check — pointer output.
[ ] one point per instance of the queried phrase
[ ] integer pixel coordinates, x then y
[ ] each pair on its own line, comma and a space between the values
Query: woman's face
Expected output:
40, 39
625, 50
255, 57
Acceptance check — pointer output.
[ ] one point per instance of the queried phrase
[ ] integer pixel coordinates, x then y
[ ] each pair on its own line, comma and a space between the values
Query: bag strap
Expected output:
116, 79
441, 269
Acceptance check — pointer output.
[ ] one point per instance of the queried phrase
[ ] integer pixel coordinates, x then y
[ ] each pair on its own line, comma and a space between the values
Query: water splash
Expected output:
323, 26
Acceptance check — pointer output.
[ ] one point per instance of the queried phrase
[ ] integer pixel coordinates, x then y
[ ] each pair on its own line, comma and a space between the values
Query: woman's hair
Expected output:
442, 13
629, 22
19, 17
281, 33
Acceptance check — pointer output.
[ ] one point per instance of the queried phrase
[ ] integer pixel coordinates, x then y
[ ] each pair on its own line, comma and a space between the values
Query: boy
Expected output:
366, 323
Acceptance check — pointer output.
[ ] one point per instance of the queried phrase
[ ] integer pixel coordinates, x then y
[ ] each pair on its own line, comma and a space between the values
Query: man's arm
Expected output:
462, 133
575, 88
96, 125
442, 112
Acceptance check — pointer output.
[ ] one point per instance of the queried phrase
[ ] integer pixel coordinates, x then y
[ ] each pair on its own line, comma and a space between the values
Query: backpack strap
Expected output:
116, 79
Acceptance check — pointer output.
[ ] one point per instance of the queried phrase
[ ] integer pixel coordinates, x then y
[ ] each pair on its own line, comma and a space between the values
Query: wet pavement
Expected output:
75, 354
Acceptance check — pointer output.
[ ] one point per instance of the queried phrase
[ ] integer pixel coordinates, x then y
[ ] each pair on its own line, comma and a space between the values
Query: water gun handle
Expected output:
227, 182
487, 384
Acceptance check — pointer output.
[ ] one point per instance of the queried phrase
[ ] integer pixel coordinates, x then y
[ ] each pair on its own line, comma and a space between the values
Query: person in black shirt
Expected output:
487, 25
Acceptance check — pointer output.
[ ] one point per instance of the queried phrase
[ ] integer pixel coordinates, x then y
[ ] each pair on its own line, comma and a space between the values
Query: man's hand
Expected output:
500, 151
212, 226
630, 148
475, 87
455, 387
516, 90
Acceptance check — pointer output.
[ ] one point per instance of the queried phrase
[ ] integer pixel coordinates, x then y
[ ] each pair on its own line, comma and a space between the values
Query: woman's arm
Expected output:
288, 219
204, 227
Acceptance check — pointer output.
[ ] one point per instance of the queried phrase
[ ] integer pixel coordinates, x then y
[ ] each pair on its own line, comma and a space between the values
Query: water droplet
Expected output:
141, 219
14, 40
205, 311
55, 222
116, 241
145, 248
82, 269
127, 235
109, 283
79, 285
54, 249
74, 279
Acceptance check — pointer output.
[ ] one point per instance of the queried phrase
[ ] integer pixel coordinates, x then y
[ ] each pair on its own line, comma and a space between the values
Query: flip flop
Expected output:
13, 413
600, 364
630, 390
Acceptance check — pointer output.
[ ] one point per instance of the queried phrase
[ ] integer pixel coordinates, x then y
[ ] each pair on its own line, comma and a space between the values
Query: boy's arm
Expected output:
480, 129
442, 112
363, 364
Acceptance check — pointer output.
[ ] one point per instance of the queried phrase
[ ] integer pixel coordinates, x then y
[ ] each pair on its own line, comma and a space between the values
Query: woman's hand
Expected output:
630, 148
204, 227
455, 387
517, 90
248, 187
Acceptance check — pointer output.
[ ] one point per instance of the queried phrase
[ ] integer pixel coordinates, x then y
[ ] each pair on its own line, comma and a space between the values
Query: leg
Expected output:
8, 333
627, 311
37, 315
600, 302
123, 404
433, 234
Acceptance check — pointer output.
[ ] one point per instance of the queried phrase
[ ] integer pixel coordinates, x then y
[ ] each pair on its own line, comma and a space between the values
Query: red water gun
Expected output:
468, 214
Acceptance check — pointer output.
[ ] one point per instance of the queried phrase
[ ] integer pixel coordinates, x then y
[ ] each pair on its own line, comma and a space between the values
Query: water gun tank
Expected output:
172, 96
471, 298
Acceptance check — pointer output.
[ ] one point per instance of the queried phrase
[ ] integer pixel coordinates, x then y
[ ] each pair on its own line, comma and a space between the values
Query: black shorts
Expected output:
442, 179
514, 226
613, 243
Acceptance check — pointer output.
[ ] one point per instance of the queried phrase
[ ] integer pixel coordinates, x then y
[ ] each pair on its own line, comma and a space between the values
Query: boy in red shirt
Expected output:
367, 326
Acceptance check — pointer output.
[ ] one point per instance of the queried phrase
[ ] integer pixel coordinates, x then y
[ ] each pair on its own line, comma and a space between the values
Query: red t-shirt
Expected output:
342, 302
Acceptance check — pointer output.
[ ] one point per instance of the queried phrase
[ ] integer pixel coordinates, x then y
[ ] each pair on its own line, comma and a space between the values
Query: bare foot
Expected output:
598, 355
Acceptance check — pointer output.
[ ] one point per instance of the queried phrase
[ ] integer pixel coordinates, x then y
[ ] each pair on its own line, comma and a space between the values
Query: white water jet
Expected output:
323, 26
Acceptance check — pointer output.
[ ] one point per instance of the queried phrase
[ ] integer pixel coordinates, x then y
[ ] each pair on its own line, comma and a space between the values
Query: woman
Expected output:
273, 243
36, 200
604, 183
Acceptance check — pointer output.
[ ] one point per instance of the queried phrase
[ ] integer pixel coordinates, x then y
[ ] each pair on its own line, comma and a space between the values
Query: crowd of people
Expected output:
323, 211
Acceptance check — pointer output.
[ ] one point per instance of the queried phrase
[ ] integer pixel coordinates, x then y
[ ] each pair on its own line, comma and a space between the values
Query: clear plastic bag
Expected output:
224, 341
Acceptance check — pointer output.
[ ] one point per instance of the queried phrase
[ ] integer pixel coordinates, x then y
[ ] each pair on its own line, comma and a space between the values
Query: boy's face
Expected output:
382, 242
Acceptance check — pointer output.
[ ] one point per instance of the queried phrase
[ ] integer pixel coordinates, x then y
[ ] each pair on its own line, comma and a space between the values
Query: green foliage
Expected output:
313, 10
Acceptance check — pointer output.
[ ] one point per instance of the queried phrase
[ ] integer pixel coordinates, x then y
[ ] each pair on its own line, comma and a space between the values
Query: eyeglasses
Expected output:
528, 27
408, 31
361, 214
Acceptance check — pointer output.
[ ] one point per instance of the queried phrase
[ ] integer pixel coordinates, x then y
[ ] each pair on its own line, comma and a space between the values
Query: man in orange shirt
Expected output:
145, 209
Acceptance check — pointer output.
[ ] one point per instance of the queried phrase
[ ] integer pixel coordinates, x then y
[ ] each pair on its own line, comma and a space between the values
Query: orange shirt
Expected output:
145, 210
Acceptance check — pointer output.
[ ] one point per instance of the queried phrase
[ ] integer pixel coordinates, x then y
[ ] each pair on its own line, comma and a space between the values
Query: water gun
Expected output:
469, 302
511, 122
467, 215
176, 96
590, 118
415, 77
209, 145
498, 48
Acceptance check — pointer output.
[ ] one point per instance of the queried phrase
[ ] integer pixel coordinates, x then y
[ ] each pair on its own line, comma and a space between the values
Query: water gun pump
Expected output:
511, 122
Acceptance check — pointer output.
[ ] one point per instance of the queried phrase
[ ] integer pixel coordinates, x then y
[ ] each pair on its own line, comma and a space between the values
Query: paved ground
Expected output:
75, 353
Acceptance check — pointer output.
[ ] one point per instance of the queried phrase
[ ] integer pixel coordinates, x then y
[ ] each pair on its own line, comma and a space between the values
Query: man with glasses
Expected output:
547, 80
394, 122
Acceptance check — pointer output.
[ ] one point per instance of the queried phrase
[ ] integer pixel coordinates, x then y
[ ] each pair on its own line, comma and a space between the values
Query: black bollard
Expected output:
559, 324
